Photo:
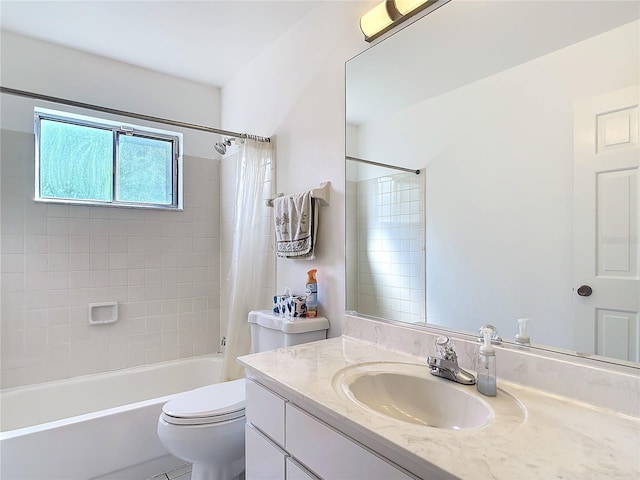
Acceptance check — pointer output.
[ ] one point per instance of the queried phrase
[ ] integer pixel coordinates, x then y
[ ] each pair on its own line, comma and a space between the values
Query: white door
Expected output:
606, 212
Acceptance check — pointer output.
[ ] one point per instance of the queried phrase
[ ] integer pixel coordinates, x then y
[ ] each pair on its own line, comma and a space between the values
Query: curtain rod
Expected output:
98, 108
377, 164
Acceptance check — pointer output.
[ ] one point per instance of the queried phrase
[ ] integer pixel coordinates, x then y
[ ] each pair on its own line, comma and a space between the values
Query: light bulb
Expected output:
375, 20
406, 6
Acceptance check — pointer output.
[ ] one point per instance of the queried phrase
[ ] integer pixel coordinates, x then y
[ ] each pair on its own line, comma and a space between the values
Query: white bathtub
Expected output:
95, 426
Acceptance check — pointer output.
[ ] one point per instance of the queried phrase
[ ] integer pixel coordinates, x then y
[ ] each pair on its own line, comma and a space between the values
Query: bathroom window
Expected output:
85, 160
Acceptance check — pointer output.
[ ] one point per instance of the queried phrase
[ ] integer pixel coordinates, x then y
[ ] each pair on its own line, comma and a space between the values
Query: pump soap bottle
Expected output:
522, 338
312, 294
487, 366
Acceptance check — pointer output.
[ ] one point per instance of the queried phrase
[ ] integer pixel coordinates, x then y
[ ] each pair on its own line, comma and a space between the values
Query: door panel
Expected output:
617, 334
606, 218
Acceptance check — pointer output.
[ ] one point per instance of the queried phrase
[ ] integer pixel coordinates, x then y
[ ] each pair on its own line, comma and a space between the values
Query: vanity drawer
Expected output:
263, 459
265, 410
297, 472
330, 454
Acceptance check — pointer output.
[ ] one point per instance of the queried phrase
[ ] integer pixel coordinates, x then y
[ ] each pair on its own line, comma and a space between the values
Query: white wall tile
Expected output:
117, 261
156, 292
12, 263
135, 260
135, 244
58, 211
118, 244
79, 244
99, 227
152, 244
33, 225
118, 277
153, 260
57, 226
169, 275
98, 243
35, 338
389, 247
153, 229
79, 262
119, 294
13, 244
153, 355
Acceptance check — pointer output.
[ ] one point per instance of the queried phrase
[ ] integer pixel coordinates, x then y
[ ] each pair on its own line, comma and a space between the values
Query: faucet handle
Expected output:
445, 348
495, 338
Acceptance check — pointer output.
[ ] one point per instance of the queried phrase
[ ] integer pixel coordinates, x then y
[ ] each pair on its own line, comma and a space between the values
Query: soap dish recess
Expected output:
103, 313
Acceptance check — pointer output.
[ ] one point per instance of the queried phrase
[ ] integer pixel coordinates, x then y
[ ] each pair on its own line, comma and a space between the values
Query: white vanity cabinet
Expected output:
285, 442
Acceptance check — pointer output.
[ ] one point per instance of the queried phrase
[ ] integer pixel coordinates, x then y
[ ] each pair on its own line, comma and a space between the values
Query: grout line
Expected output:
183, 472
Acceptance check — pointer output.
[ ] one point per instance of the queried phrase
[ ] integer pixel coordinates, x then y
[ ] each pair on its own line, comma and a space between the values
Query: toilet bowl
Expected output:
206, 427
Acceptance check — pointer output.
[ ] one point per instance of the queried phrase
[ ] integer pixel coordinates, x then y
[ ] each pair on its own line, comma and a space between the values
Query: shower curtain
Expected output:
248, 273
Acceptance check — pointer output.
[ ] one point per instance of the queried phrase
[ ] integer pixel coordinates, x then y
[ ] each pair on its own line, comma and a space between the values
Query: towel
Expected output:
296, 220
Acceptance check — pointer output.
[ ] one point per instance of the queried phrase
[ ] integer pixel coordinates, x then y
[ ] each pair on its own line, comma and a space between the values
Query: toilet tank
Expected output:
270, 330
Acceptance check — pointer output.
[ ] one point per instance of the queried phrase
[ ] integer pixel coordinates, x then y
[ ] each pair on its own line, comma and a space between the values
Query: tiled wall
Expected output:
391, 236
163, 269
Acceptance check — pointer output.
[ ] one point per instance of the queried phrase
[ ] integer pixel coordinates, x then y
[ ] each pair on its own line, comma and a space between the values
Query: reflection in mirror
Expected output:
386, 226
523, 118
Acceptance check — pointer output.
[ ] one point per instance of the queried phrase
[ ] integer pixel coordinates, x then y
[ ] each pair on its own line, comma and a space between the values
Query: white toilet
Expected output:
205, 426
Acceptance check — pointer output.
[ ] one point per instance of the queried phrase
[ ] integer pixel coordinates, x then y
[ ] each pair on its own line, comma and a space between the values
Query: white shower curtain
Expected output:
249, 272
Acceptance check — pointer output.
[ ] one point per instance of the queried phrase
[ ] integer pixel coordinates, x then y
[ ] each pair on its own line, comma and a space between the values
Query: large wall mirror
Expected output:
522, 117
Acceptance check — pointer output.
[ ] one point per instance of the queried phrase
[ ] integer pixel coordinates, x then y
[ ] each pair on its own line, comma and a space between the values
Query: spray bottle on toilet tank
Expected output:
312, 293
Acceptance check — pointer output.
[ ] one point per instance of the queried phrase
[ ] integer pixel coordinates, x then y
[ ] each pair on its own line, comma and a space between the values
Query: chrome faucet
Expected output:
446, 366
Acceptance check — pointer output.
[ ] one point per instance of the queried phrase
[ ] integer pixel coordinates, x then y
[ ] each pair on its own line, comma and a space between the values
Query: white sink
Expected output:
419, 400
408, 392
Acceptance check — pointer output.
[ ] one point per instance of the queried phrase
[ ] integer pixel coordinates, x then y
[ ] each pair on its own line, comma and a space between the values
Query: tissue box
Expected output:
290, 305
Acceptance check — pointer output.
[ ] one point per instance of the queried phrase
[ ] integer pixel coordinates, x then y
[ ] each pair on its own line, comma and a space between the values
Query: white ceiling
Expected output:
204, 41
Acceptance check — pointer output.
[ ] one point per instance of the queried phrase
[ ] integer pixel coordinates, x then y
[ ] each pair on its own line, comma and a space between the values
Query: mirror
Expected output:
522, 117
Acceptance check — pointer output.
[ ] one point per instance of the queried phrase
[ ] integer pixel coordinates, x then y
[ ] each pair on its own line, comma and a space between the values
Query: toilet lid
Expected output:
211, 404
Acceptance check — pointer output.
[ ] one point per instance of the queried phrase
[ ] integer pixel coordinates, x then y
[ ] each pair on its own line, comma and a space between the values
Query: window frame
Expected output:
117, 129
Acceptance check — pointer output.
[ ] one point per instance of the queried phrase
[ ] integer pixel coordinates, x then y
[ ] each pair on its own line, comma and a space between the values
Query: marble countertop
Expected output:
552, 437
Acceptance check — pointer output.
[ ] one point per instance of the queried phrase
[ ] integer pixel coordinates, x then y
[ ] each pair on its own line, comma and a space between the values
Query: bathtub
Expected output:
95, 426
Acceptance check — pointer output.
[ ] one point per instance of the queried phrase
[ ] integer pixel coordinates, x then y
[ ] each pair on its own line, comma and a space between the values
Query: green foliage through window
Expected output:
143, 170
87, 160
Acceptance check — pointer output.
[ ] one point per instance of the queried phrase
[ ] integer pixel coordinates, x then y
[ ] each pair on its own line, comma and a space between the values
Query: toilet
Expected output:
205, 426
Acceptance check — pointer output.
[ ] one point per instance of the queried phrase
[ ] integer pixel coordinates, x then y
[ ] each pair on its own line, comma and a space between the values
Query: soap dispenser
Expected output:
522, 338
486, 383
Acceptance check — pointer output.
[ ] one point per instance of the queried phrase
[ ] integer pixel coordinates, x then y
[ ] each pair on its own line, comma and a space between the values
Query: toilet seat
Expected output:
216, 403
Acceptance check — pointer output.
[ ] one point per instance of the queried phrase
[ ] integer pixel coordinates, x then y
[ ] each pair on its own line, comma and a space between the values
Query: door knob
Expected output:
585, 290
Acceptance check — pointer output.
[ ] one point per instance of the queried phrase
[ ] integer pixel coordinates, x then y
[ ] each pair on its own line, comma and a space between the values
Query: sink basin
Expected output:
419, 400
408, 392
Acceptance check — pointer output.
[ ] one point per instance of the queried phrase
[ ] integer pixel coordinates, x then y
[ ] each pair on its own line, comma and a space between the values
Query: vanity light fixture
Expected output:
386, 15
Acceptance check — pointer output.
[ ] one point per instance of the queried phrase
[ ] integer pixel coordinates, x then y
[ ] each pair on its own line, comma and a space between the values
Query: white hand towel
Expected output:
296, 220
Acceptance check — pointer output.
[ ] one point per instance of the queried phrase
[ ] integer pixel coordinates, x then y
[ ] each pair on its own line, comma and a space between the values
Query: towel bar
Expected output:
322, 194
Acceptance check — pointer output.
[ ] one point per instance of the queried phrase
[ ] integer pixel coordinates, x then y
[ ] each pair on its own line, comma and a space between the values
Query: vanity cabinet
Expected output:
285, 442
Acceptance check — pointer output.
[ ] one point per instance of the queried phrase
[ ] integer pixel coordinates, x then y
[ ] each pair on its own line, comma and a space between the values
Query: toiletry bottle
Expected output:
312, 294
522, 338
487, 366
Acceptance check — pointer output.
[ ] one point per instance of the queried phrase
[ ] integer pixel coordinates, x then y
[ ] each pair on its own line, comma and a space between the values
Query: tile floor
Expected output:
180, 473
